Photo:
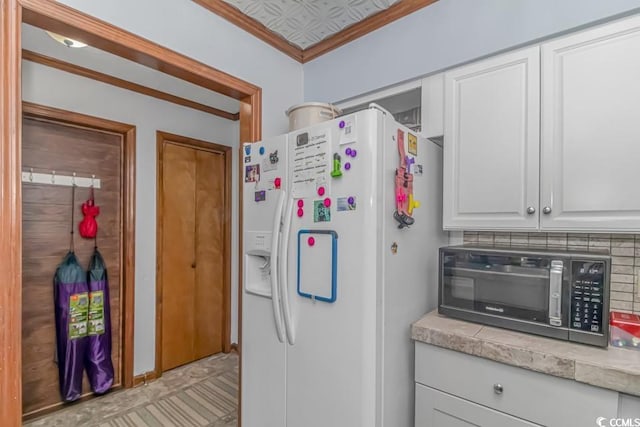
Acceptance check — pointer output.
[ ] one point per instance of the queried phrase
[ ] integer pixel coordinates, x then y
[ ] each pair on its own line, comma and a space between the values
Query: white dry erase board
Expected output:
318, 265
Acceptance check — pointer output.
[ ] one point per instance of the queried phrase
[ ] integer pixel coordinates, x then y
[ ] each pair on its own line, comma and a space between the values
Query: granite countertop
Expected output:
613, 368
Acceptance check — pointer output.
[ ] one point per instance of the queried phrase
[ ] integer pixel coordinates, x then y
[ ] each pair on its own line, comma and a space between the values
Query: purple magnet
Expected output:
353, 153
342, 124
327, 202
300, 213
300, 203
351, 200
347, 166
311, 241
347, 151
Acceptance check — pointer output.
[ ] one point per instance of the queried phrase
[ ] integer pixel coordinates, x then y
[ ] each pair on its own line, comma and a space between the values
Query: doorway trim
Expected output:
54, 16
211, 147
128, 212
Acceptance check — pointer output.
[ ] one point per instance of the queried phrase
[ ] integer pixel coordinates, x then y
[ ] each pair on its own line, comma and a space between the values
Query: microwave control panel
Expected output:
587, 296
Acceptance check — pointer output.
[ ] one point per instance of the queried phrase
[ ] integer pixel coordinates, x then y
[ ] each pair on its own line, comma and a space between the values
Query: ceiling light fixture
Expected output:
66, 40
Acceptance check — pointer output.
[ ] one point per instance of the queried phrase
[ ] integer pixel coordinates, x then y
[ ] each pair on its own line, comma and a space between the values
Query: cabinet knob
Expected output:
193, 265
546, 210
531, 210
497, 388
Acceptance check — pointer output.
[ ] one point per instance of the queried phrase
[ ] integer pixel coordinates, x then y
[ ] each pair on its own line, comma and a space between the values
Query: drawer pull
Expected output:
497, 388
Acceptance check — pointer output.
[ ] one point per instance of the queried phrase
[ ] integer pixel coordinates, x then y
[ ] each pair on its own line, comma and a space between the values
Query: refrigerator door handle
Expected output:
275, 294
284, 283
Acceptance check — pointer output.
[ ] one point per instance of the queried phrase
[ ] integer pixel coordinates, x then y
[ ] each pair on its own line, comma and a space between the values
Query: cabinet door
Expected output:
437, 409
491, 147
590, 170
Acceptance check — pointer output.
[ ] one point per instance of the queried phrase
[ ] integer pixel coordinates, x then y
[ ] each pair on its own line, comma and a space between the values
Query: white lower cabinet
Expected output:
437, 409
455, 389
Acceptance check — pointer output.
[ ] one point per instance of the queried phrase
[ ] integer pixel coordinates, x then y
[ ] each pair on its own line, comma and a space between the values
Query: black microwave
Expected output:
550, 292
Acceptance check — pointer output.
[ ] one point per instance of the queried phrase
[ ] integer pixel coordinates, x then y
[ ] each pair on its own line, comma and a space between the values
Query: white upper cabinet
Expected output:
590, 169
491, 145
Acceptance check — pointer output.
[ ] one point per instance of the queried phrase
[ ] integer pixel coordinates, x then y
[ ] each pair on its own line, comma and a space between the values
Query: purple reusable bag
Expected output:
99, 364
71, 300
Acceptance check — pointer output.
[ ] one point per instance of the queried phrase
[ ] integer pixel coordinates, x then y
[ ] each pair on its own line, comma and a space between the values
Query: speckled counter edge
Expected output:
613, 368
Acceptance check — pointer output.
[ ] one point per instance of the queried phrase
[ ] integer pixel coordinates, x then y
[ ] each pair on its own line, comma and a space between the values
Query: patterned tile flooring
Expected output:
203, 393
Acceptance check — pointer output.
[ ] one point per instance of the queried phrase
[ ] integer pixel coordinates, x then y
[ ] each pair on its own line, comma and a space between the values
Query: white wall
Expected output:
444, 34
187, 28
50, 87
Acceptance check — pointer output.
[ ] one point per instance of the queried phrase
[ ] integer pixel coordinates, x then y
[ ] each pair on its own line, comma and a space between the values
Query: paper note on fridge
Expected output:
311, 162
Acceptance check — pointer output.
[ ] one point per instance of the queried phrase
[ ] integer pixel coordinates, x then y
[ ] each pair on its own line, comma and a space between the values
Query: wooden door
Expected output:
194, 254
210, 254
46, 213
590, 129
178, 256
491, 159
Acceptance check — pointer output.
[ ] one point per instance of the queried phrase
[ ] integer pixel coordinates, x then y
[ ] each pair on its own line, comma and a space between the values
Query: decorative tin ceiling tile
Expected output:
306, 22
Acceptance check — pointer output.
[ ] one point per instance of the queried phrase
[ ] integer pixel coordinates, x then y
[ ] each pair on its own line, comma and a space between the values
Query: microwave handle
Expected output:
555, 293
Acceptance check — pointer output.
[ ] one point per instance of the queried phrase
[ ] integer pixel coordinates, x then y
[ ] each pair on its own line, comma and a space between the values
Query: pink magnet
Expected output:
311, 241
300, 213
300, 203
327, 202
320, 191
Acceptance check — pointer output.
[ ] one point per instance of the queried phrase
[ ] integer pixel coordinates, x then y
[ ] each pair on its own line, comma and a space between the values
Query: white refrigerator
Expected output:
342, 225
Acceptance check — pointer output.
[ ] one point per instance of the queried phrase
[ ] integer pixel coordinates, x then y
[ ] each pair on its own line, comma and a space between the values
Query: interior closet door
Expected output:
193, 254
210, 257
179, 258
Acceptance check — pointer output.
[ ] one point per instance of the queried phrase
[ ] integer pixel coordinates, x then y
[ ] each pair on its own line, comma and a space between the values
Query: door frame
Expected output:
54, 16
211, 147
128, 212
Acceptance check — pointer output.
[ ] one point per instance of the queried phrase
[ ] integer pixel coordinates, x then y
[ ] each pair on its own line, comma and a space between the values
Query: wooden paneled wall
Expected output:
66, 149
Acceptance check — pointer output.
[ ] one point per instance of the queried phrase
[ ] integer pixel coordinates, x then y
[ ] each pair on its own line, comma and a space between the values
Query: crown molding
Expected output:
371, 23
349, 34
252, 26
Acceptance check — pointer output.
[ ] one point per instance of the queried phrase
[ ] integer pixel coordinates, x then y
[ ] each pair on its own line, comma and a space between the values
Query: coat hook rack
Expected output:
63, 180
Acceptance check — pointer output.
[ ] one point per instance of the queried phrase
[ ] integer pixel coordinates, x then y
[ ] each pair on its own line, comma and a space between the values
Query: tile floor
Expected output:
203, 393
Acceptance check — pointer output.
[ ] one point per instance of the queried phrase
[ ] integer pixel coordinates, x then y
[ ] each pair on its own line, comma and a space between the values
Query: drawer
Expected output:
532, 396
437, 409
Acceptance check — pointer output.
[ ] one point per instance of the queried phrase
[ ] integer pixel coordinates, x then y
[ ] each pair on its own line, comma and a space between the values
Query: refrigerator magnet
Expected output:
252, 173
260, 196
413, 144
346, 204
321, 212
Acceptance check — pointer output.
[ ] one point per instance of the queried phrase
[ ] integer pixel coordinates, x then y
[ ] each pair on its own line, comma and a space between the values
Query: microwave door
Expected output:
555, 293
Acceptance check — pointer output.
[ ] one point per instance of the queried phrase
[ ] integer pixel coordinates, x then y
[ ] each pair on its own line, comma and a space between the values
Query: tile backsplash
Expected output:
624, 249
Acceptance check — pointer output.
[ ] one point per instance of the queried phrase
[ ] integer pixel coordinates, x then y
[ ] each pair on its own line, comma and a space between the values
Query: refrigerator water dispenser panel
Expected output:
257, 262
318, 265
